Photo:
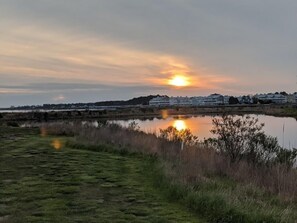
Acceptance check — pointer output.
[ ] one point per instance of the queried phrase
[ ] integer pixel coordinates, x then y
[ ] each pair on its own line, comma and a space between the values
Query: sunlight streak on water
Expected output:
164, 114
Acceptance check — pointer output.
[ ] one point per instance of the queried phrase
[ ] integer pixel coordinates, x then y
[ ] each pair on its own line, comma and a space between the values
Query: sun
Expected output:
179, 81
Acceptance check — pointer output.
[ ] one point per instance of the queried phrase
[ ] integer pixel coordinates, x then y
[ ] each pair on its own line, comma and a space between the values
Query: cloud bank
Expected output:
94, 50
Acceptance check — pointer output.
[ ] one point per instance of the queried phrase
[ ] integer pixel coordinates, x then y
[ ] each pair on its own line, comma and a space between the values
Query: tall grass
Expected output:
191, 164
195, 166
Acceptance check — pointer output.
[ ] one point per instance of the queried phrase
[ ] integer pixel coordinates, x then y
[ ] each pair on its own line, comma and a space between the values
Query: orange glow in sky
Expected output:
179, 81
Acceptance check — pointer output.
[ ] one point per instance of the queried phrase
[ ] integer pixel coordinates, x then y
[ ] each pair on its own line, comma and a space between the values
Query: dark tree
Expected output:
233, 100
45, 116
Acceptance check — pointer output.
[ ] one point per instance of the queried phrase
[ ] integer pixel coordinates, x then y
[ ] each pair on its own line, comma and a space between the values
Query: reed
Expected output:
189, 165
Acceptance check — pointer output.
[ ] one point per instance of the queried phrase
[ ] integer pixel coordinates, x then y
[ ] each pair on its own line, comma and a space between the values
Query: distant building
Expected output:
218, 99
180, 101
159, 101
245, 99
198, 101
292, 98
274, 98
214, 99
226, 99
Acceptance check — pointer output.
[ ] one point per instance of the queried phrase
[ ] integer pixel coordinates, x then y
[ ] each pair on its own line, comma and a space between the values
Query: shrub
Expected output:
243, 138
287, 157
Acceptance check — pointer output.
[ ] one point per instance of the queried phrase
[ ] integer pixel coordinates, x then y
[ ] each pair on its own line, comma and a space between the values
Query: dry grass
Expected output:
190, 165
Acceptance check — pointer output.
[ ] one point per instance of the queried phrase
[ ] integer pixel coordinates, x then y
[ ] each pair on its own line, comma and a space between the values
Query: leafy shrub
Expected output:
244, 138
234, 135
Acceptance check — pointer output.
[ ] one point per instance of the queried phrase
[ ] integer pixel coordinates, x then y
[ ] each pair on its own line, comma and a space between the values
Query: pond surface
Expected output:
285, 129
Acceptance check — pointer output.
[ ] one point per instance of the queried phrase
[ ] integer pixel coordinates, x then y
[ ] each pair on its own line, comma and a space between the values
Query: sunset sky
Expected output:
56, 51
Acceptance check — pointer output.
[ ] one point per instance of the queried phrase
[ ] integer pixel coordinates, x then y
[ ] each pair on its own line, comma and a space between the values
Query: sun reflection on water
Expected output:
179, 125
164, 114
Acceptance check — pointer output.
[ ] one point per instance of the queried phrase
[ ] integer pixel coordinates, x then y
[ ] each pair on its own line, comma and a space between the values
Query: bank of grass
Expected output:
200, 178
215, 199
42, 179
290, 112
83, 182
189, 165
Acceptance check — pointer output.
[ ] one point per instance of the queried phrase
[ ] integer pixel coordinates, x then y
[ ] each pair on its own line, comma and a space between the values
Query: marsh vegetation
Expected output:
242, 175
109, 173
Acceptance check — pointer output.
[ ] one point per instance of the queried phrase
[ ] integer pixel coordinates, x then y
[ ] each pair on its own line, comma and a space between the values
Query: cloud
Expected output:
86, 59
225, 46
59, 98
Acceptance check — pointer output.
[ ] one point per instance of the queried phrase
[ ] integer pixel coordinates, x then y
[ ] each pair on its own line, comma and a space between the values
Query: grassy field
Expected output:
42, 180
59, 179
216, 198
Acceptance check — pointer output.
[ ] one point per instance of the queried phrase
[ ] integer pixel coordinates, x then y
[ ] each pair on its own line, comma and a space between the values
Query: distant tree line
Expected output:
143, 100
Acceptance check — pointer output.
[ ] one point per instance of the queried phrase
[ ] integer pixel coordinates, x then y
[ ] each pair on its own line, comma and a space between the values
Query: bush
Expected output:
243, 138
287, 157
234, 135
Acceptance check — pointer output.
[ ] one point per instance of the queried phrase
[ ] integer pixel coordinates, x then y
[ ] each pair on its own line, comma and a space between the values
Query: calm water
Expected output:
201, 126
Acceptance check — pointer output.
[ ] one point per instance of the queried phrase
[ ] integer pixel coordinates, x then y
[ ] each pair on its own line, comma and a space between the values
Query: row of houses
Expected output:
277, 98
214, 99
218, 99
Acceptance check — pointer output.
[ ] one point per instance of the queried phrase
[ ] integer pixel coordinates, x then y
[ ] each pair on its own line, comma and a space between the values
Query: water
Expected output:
285, 129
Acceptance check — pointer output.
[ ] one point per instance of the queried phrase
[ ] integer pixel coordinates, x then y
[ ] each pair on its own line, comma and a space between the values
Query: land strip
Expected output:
147, 112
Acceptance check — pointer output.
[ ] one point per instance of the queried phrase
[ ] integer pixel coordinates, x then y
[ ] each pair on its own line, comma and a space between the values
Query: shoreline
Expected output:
148, 113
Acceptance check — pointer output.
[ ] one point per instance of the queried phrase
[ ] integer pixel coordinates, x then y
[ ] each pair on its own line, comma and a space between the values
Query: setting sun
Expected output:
179, 81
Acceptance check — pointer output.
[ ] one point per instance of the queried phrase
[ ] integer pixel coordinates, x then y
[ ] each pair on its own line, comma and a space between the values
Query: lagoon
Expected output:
285, 129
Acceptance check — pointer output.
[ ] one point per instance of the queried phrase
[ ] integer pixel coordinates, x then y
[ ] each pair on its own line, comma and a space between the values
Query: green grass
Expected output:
41, 184
83, 183
291, 112
219, 199
216, 198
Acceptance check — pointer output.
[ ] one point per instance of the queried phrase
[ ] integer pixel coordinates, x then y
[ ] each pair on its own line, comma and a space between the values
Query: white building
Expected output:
198, 101
275, 98
180, 101
214, 99
159, 101
226, 99
292, 98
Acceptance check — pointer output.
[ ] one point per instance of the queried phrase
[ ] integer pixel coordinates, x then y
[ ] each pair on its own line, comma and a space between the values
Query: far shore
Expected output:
146, 112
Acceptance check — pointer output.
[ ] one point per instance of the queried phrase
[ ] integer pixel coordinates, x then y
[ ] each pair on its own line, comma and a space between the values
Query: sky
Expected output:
62, 51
